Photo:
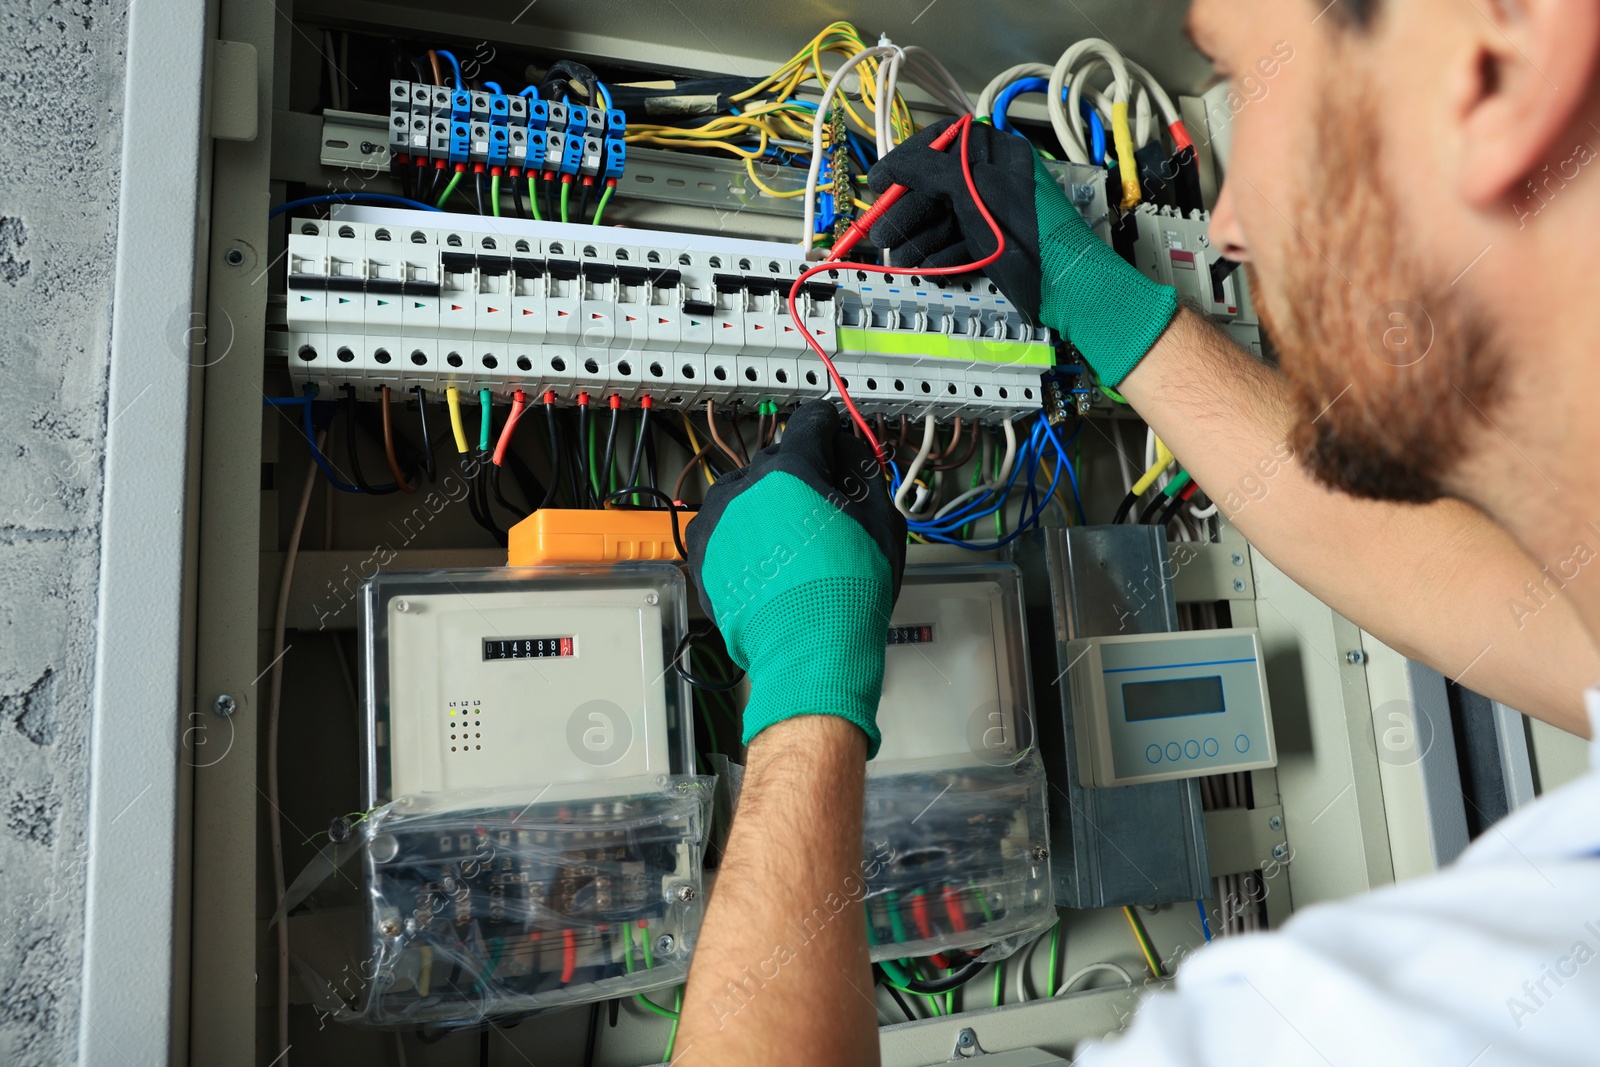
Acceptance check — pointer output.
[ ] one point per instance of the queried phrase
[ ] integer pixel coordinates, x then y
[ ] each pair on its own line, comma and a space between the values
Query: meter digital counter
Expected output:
1154, 707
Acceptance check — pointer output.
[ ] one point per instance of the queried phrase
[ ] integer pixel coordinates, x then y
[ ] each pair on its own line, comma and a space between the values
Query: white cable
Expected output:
1084, 972
1169, 113
888, 81
1004, 78
1122, 455
1079, 87
1024, 963
921, 63
817, 126
915, 468
987, 487
1066, 126
274, 702
1203, 513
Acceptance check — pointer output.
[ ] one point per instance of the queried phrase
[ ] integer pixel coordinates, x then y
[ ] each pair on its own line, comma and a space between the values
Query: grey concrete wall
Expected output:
61, 90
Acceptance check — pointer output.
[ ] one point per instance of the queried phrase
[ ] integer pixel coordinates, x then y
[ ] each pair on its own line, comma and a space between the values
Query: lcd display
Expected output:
1142, 701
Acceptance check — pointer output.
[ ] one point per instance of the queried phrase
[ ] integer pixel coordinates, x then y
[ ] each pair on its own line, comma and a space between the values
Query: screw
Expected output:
966, 1039
389, 928
1355, 657
664, 944
1275, 823
233, 257
1280, 852
1039, 852
1238, 559
651, 598
367, 148
402, 605
1238, 585
224, 705
686, 893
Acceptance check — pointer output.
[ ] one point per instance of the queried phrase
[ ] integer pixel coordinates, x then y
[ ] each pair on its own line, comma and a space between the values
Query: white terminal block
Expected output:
507, 304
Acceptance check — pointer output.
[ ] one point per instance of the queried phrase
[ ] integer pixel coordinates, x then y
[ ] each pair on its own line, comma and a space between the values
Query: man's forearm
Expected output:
780, 973
1438, 582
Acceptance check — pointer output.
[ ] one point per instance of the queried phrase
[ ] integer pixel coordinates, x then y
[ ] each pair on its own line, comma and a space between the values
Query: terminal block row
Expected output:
503, 304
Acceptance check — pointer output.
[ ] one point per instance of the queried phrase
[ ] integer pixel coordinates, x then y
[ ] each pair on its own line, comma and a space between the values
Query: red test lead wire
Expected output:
569, 955
961, 126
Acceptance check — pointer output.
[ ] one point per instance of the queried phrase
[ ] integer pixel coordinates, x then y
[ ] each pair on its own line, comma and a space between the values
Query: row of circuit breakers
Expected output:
381, 296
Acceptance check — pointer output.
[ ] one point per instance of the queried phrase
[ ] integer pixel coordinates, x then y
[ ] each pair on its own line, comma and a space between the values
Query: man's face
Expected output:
1389, 366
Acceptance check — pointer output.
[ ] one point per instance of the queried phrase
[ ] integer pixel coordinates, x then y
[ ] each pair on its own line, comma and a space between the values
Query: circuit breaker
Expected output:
955, 835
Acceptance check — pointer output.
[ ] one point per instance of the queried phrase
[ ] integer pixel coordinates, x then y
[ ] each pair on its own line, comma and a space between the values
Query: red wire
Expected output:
964, 124
952, 908
569, 955
519, 403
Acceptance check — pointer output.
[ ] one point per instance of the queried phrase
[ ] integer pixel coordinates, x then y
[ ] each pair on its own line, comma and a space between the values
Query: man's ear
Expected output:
1519, 88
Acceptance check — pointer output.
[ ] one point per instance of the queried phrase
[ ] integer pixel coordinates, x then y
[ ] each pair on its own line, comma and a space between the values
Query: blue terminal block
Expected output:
499, 109
616, 156
572, 154
536, 150
577, 119
499, 145
461, 105
616, 123
460, 140
538, 114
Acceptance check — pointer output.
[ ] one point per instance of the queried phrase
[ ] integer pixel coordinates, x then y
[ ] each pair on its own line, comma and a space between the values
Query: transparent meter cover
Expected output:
513, 900
955, 842
517, 676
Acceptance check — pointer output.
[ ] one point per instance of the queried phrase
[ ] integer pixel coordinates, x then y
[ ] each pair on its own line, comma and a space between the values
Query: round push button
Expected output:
1241, 743
1192, 749
1153, 753
1174, 750
1210, 746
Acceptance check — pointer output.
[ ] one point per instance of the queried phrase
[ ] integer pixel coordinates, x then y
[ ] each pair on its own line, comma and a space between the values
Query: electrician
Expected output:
1413, 197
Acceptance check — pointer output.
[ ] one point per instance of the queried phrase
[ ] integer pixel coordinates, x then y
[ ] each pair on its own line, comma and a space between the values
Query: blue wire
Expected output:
605, 94
1097, 133
1041, 428
494, 87
454, 65
1205, 923
859, 149
346, 198
532, 90
311, 434
954, 521
1010, 93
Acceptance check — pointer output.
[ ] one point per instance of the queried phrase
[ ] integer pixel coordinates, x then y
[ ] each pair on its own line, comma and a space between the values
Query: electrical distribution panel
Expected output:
531, 743
955, 834
382, 296
1154, 707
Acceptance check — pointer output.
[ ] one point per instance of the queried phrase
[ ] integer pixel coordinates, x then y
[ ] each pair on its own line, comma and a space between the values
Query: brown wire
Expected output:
388, 447
738, 435
711, 420
955, 439
438, 73
961, 460
688, 469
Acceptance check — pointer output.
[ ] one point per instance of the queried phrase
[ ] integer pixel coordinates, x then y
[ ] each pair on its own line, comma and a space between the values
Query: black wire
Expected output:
555, 455
619, 500
483, 1048
1170, 512
494, 484
574, 474
354, 452
583, 203
585, 484
650, 458
1151, 508
685, 673
1123, 510
594, 1034
638, 446
610, 451
477, 188
478, 501
427, 444
516, 198
895, 993
549, 205
929, 986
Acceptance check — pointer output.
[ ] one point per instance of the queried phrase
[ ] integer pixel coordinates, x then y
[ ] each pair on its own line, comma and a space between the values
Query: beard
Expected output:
1389, 367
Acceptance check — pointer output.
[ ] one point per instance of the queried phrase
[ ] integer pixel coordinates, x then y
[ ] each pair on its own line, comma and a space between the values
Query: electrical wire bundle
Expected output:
1175, 490
1089, 93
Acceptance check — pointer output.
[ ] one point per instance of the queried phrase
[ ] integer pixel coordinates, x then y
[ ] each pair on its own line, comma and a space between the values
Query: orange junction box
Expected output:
552, 536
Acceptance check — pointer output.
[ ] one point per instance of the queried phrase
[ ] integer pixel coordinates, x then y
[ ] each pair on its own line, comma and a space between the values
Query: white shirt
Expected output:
1494, 960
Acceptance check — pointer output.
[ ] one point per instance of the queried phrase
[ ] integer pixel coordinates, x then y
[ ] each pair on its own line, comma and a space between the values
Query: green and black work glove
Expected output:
1054, 269
798, 560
